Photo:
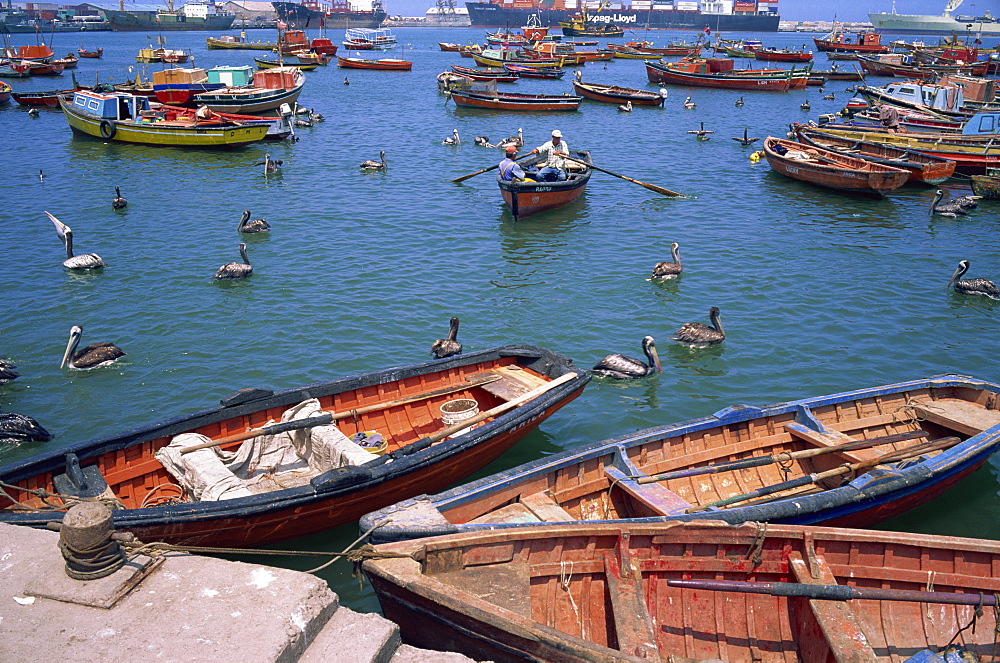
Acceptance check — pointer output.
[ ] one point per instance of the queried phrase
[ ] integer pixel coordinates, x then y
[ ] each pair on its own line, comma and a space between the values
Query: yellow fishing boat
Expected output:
128, 118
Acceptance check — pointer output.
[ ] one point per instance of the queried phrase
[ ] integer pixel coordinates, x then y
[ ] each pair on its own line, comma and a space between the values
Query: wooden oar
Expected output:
647, 185
891, 457
835, 592
330, 417
767, 460
486, 170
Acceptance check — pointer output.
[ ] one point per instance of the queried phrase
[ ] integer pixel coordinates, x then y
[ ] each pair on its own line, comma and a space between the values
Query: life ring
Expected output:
108, 129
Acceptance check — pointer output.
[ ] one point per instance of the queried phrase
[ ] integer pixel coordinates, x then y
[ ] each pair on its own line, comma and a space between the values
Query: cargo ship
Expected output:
945, 24
716, 15
335, 15
192, 16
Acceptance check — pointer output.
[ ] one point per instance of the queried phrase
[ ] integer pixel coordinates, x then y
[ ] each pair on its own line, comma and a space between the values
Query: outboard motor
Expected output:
854, 105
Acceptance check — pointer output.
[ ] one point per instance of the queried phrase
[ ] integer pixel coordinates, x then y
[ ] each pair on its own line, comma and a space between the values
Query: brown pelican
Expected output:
829, 97
255, 226
698, 335
627, 106
32, 112
446, 347
740, 102
624, 368
805, 105
453, 139
236, 270
950, 208
41, 175
516, 141
669, 270
316, 117
18, 428
966, 202
118, 202
92, 356
85, 261
689, 104
7, 372
371, 164
270, 166
972, 286
482, 141
702, 134
346, 82
745, 141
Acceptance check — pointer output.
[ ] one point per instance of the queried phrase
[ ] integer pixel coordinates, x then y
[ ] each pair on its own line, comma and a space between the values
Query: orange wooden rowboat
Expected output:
830, 169
605, 592
529, 197
385, 64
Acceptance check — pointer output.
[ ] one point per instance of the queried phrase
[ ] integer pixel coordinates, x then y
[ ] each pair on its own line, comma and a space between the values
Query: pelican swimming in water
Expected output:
745, 141
85, 261
702, 134
515, 141
740, 102
627, 106
118, 202
255, 226
829, 97
236, 270
805, 105
972, 286
346, 82
622, 367
270, 166
446, 347
689, 104
453, 139
92, 356
482, 141
698, 335
952, 208
7, 372
670, 270
371, 164
41, 175
18, 428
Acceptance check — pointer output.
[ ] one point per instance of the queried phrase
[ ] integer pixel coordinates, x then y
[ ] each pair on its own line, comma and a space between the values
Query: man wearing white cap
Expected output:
555, 152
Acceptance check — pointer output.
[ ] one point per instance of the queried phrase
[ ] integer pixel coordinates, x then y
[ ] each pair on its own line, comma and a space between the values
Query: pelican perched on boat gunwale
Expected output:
670, 270
371, 164
236, 270
448, 346
622, 367
255, 226
92, 356
698, 335
84, 261
977, 286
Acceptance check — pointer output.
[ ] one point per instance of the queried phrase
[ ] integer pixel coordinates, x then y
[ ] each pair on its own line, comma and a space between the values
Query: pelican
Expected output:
371, 164
18, 428
850, 88
805, 105
516, 141
829, 97
453, 139
482, 141
315, 117
119, 202
269, 165
578, 75
299, 122
689, 104
702, 134
698, 335
669, 270
967, 202
625, 368
745, 142
346, 82
7, 372
627, 106
85, 261
446, 347
41, 175
92, 356
255, 226
32, 112
740, 102
236, 270
972, 286
950, 208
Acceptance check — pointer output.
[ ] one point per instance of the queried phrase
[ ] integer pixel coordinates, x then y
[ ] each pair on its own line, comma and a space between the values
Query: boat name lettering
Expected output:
614, 18
543, 188
792, 169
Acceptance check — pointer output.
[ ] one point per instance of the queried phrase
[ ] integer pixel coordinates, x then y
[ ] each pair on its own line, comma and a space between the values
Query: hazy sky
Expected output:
791, 10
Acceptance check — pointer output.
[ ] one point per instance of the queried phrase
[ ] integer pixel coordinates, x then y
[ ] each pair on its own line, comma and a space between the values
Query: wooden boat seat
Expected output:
514, 382
827, 437
653, 496
545, 507
634, 628
961, 416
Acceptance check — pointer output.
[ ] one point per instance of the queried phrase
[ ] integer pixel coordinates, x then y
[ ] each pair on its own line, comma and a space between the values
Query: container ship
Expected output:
192, 16
716, 15
945, 24
335, 15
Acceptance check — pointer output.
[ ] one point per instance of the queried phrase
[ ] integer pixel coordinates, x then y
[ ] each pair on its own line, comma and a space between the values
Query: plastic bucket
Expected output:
459, 410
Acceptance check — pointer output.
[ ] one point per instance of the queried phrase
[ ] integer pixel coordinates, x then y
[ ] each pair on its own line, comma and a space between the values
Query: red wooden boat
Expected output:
838, 41
500, 75
782, 55
647, 47
534, 72
923, 168
485, 95
448, 46
692, 592
614, 94
831, 169
68, 62
699, 73
529, 197
90, 54
172, 485
45, 68
323, 46
385, 64
895, 64
48, 98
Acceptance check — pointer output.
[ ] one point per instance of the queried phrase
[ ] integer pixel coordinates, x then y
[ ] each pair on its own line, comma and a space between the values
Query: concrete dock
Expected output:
179, 607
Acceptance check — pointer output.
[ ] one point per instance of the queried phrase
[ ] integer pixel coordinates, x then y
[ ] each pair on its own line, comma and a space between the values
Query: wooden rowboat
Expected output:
698, 73
5, 92
448, 46
988, 185
48, 98
263, 63
689, 592
923, 168
385, 64
615, 94
485, 95
498, 74
782, 55
534, 72
831, 169
323, 478
90, 54
527, 198
693, 470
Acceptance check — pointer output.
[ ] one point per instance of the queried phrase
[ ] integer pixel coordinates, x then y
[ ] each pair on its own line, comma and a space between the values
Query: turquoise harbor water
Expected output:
820, 292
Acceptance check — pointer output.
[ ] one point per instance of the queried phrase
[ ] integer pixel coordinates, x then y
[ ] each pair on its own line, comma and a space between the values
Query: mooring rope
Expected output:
112, 503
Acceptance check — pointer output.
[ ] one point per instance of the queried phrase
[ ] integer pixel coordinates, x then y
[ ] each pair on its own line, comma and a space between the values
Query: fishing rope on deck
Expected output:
907, 413
44, 495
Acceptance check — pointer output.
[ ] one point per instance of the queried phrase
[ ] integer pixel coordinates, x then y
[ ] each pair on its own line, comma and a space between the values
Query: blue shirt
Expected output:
510, 169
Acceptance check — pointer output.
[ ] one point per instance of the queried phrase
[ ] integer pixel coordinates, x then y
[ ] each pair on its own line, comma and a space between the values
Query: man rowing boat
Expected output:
555, 152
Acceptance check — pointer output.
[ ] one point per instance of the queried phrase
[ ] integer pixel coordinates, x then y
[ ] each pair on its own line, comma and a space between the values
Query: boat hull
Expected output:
527, 198
221, 44
489, 15
933, 25
612, 94
987, 186
659, 73
515, 102
127, 21
381, 65
296, 14
831, 170
247, 102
